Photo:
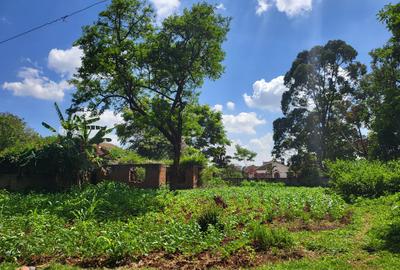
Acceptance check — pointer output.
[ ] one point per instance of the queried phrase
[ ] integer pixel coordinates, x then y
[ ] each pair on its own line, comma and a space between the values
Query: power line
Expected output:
63, 18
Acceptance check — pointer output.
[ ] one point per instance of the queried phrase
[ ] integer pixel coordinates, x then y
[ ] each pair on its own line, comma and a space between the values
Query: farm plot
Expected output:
113, 225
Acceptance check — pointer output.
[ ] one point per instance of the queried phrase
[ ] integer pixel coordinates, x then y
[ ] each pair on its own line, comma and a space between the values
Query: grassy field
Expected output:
255, 225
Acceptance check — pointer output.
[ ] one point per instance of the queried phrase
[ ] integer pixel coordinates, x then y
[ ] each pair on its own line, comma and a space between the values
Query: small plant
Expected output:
265, 238
207, 218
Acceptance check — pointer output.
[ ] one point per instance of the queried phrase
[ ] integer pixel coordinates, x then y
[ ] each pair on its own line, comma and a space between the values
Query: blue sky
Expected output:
265, 37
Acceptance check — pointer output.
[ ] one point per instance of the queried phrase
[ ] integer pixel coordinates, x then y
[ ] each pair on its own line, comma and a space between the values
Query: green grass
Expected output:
350, 247
112, 225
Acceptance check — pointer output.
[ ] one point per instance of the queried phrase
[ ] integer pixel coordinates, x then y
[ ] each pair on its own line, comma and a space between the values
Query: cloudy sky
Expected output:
265, 37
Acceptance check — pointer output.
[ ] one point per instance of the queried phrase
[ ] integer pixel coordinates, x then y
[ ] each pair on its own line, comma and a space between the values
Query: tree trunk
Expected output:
175, 169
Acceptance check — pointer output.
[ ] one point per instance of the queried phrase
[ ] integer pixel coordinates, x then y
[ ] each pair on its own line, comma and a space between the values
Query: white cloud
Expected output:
263, 147
244, 123
290, 7
110, 119
38, 86
65, 62
218, 107
164, 8
266, 95
294, 7
230, 105
262, 6
220, 6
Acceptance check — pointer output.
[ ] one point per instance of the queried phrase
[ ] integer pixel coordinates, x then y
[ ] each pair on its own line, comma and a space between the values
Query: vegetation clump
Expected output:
113, 222
363, 178
265, 238
209, 217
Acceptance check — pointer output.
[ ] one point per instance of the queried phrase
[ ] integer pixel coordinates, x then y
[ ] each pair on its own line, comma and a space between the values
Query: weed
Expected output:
265, 238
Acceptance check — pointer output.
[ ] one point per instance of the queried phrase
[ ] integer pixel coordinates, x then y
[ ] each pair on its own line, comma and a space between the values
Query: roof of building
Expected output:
104, 148
270, 164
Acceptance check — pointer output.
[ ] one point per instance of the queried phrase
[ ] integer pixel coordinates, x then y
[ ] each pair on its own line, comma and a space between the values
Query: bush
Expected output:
363, 178
211, 177
50, 158
265, 238
46, 156
192, 156
209, 217
386, 236
120, 156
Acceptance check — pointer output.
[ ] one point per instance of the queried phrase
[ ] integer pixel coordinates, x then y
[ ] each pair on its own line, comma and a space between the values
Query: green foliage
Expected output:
243, 154
381, 91
209, 217
203, 130
74, 153
364, 178
156, 69
111, 222
321, 86
265, 238
192, 156
48, 156
231, 171
306, 168
386, 236
121, 156
14, 131
261, 184
211, 176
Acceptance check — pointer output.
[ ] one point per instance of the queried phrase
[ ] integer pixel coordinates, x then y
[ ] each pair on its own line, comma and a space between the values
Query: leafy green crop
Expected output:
113, 222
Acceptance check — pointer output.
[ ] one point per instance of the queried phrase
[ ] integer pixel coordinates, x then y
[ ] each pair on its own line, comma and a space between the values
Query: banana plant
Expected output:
79, 131
80, 127
69, 125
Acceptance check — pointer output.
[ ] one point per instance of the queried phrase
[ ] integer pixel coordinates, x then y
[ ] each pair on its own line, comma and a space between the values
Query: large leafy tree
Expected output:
382, 89
14, 130
131, 63
322, 83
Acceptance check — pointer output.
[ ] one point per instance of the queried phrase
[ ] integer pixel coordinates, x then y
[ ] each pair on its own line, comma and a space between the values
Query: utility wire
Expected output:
63, 18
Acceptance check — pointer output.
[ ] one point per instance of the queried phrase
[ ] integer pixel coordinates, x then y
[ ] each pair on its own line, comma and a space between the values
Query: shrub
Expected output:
192, 156
50, 158
386, 234
121, 156
364, 178
265, 238
211, 177
209, 217
14, 131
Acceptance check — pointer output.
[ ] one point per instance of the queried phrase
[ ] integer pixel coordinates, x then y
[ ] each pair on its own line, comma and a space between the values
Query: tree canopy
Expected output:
382, 90
203, 130
244, 154
322, 83
131, 63
14, 130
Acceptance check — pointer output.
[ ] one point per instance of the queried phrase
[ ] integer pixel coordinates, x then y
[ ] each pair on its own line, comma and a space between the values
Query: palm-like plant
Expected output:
78, 131
80, 127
